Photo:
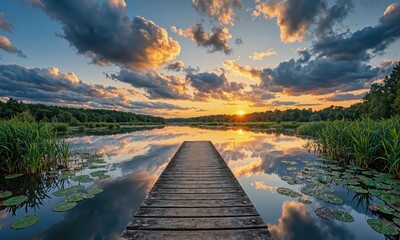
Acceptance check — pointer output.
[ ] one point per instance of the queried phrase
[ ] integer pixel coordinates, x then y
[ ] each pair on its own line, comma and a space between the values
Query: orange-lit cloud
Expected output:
260, 185
260, 55
248, 170
7, 46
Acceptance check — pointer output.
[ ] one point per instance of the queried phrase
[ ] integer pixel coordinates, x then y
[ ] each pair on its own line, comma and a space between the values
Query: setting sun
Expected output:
240, 112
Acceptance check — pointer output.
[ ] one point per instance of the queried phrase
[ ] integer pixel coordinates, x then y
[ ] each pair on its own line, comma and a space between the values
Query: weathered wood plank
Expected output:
196, 212
209, 223
248, 234
195, 203
218, 196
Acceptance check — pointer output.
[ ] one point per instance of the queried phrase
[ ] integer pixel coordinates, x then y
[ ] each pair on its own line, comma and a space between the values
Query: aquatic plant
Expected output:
30, 147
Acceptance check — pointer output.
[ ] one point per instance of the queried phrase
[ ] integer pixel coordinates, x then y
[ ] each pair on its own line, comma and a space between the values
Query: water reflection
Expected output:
258, 159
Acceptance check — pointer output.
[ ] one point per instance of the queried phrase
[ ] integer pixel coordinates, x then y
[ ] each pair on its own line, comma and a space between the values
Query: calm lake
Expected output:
135, 160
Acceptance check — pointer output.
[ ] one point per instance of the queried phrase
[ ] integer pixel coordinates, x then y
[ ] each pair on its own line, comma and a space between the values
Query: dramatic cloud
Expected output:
356, 45
319, 76
343, 97
7, 46
216, 40
5, 25
176, 66
49, 85
104, 33
156, 85
293, 17
213, 86
222, 11
260, 55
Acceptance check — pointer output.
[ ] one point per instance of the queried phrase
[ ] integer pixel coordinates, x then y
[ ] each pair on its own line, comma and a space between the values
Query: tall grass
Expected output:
30, 147
366, 143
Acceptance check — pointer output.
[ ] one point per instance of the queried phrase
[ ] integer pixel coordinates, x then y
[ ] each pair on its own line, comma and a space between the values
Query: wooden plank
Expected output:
195, 223
248, 234
198, 212
197, 197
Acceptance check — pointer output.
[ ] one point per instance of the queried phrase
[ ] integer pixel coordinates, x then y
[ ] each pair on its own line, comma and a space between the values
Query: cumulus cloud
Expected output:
362, 43
5, 25
260, 55
216, 40
156, 85
222, 11
49, 85
7, 46
137, 44
293, 17
319, 76
214, 86
176, 66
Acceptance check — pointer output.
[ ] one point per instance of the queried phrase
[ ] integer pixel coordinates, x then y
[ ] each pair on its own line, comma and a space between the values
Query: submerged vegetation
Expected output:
365, 143
30, 147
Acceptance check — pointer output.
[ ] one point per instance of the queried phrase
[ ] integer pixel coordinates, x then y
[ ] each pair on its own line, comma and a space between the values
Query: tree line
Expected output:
41, 112
381, 102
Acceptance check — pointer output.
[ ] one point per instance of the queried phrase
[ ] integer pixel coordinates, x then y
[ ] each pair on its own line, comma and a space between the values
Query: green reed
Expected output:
30, 147
366, 143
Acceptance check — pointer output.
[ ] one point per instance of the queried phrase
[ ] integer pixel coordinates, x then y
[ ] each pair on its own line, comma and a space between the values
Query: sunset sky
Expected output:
182, 58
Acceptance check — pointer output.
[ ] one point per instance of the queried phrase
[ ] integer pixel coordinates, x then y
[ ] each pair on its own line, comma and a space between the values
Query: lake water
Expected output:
136, 160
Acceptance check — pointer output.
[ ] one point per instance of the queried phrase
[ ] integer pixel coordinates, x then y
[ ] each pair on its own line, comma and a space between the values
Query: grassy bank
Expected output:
365, 143
30, 147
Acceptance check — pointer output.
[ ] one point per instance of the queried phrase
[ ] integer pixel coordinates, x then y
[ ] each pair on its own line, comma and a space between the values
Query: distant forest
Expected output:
46, 113
381, 102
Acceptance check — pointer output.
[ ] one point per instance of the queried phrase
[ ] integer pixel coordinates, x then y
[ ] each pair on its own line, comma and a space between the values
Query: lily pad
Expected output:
67, 191
82, 178
5, 194
380, 208
63, 206
88, 196
397, 221
376, 192
325, 213
65, 175
343, 216
288, 192
15, 200
291, 168
12, 176
360, 190
25, 222
104, 176
94, 191
73, 198
389, 198
97, 173
382, 227
330, 198
304, 201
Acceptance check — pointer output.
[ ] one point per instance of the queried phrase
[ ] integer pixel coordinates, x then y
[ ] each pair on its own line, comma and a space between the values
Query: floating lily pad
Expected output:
397, 221
82, 178
97, 173
325, 213
65, 175
25, 222
304, 201
67, 191
5, 194
368, 173
15, 200
104, 176
63, 206
88, 196
94, 191
360, 190
376, 192
330, 198
288, 192
12, 176
343, 216
291, 168
389, 198
73, 198
380, 208
382, 227
351, 182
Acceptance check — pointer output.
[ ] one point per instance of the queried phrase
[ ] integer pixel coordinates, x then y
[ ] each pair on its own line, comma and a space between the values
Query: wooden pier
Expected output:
197, 197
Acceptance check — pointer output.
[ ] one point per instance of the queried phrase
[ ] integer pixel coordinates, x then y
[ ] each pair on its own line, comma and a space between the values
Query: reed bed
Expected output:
31, 147
365, 143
